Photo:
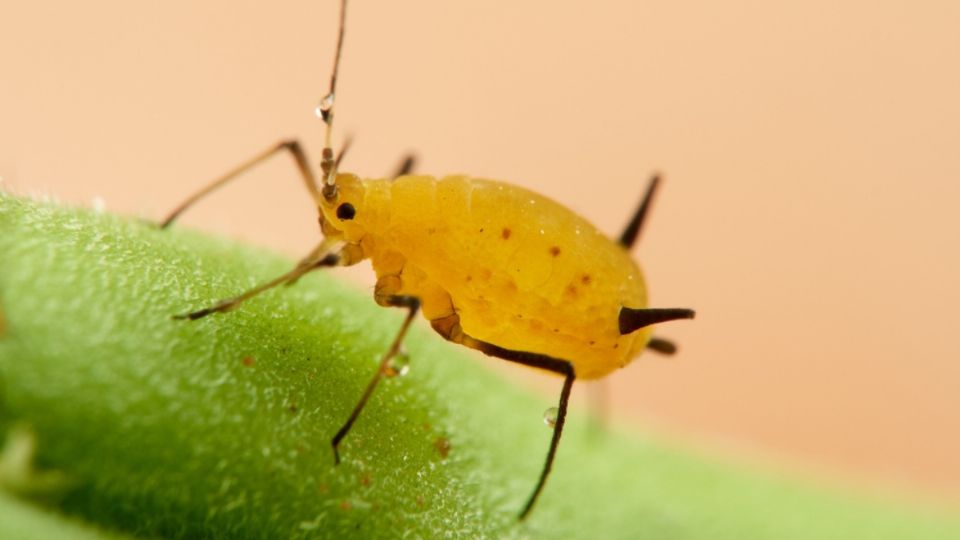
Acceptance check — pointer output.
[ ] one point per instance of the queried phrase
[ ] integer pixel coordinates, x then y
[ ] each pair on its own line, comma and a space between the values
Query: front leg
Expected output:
385, 286
318, 258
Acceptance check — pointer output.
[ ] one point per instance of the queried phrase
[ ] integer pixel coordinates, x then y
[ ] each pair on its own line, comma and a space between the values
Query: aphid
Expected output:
492, 266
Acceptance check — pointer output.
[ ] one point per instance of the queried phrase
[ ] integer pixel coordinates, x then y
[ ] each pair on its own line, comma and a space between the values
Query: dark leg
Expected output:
630, 233
298, 156
449, 327
413, 304
406, 166
569, 376
662, 346
316, 259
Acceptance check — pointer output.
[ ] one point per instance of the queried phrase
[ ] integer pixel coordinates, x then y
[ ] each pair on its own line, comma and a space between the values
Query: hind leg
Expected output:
449, 328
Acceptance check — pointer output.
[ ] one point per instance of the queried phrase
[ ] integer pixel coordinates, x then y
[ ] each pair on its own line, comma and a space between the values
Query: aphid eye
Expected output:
346, 211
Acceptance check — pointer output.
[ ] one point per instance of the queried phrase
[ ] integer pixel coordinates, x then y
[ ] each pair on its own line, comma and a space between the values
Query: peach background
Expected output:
810, 211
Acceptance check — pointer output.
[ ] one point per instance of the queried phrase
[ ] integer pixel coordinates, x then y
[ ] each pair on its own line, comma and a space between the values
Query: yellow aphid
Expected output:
517, 269
492, 266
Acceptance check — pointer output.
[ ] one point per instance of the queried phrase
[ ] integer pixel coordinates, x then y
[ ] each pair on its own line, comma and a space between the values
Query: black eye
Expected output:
346, 211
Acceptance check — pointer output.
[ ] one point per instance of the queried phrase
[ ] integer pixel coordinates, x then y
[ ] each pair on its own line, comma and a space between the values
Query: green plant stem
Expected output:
20, 520
221, 427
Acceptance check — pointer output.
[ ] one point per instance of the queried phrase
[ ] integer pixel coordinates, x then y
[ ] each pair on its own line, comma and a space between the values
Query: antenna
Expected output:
328, 164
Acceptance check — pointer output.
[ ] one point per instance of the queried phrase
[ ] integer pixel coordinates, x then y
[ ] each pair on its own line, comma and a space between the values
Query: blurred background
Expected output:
810, 152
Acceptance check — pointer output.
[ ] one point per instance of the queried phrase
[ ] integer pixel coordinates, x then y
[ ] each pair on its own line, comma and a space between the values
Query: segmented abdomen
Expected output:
523, 271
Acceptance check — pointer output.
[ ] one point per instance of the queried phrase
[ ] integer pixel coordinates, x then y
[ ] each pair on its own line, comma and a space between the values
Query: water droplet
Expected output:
399, 365
550, 416
323, 108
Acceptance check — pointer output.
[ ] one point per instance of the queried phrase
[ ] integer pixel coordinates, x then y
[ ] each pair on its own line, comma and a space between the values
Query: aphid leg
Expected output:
291, 146
562, 367
348, 255
662, 346
632, 230
449, 328
412, 303
406, 166
319, 259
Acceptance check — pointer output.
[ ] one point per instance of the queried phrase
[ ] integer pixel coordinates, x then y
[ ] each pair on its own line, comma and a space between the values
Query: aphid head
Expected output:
343, 214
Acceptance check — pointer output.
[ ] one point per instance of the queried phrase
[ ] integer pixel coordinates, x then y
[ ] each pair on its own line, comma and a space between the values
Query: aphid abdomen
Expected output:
521, 270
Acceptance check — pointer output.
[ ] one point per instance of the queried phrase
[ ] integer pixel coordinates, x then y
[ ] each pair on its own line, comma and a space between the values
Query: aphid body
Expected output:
516, 268
493, 266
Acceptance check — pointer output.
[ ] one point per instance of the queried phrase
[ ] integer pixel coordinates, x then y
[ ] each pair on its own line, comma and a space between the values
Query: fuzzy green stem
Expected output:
221, 427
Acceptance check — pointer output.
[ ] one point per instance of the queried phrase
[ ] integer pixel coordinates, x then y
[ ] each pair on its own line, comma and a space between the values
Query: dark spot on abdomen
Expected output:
505, 234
